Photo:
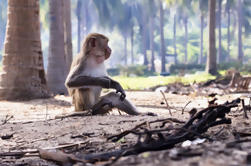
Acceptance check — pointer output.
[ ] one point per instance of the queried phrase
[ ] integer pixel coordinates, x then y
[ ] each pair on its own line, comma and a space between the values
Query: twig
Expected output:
185, 107
167, 105
73, 115
7, 118
244, 109
232, 144
23, 153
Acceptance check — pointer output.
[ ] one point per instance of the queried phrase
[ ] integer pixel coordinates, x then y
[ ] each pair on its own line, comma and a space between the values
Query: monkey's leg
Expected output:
111, 100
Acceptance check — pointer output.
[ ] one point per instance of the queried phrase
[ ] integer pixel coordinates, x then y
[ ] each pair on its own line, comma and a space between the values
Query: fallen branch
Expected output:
244, 109
167, 105
20, 154
198, 124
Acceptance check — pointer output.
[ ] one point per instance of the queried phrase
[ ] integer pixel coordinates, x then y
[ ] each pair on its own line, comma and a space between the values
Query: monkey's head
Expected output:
96, 46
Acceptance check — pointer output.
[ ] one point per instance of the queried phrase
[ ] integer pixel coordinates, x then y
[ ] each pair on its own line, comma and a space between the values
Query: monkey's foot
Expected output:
102, 109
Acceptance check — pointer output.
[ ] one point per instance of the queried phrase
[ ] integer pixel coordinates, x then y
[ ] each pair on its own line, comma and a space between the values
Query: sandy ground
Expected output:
33, 126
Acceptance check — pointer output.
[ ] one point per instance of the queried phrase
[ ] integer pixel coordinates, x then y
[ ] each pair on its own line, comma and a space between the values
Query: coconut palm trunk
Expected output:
211, 59
240, 49
132, 46
228, 35
67, 33
152, 43
162, 42
219, 58
201, 38
57, 70
174, 39
23, 75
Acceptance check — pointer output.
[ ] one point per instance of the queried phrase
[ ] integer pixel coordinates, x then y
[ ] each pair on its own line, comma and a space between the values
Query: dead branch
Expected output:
185, 107
20, 154
244, 109
7, 118
167, 105
198, 124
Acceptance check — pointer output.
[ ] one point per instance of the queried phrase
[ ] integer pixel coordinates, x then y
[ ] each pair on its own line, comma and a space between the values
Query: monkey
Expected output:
88, 75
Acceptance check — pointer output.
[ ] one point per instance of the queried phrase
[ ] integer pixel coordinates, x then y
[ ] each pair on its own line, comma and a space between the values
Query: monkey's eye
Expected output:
99, 56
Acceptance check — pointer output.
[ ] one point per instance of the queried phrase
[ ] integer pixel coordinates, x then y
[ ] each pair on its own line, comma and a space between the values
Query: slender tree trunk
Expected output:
84, 20
23, 75
132, 46
144, 38
174, 39
201, 38
162, 42
56, 72
78, 13
228, 35
186, 38
125, 49
152, 44
211, 59
240, 51
67, 34
219, 58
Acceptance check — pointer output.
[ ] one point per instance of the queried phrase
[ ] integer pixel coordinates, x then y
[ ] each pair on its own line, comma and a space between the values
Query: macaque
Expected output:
88, 76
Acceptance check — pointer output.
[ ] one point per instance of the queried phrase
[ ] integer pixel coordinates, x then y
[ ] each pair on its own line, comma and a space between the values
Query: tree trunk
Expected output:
174, 39
132, 44
78, 12
56, 71
67, 34
125, 49
201, 38
211, 59
228, 35
152, 44
219, 58
23, 75
144, 38
162, 42
186, 38
240, 51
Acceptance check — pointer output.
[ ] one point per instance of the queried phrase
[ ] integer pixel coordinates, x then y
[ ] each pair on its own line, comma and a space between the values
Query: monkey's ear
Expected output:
92, 42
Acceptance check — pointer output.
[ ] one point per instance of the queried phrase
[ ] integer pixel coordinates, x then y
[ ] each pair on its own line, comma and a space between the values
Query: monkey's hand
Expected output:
119, 89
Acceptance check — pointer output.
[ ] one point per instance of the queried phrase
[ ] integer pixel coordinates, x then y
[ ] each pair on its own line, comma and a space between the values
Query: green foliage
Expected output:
141, 83
113, 71
235, 65
186, 68
135, 70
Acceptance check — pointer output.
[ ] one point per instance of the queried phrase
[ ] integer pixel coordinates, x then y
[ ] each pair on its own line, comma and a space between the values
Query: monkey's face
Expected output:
100, 50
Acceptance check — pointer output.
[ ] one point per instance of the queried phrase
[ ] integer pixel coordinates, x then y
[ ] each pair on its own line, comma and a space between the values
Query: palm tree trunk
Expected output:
211, 59
201, 38
174, 39
186, 38
228, 35
162, 42
125, 49
144, 38
79, 5
23, 75
219, 58
152, 44
68, 37
132, 44
56, 71
240, 51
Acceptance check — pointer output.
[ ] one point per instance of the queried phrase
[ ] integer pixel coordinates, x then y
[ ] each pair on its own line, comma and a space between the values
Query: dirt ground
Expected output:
35, 124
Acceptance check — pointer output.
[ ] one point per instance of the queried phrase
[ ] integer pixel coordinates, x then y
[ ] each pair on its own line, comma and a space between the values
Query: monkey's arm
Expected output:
88, 81
104, 82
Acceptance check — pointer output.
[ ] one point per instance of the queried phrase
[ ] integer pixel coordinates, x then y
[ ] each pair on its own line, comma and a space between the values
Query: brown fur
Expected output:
81, 97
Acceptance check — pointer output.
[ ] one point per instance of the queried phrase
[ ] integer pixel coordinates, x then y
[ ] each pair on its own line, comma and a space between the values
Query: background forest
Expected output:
135, 27
154, 34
